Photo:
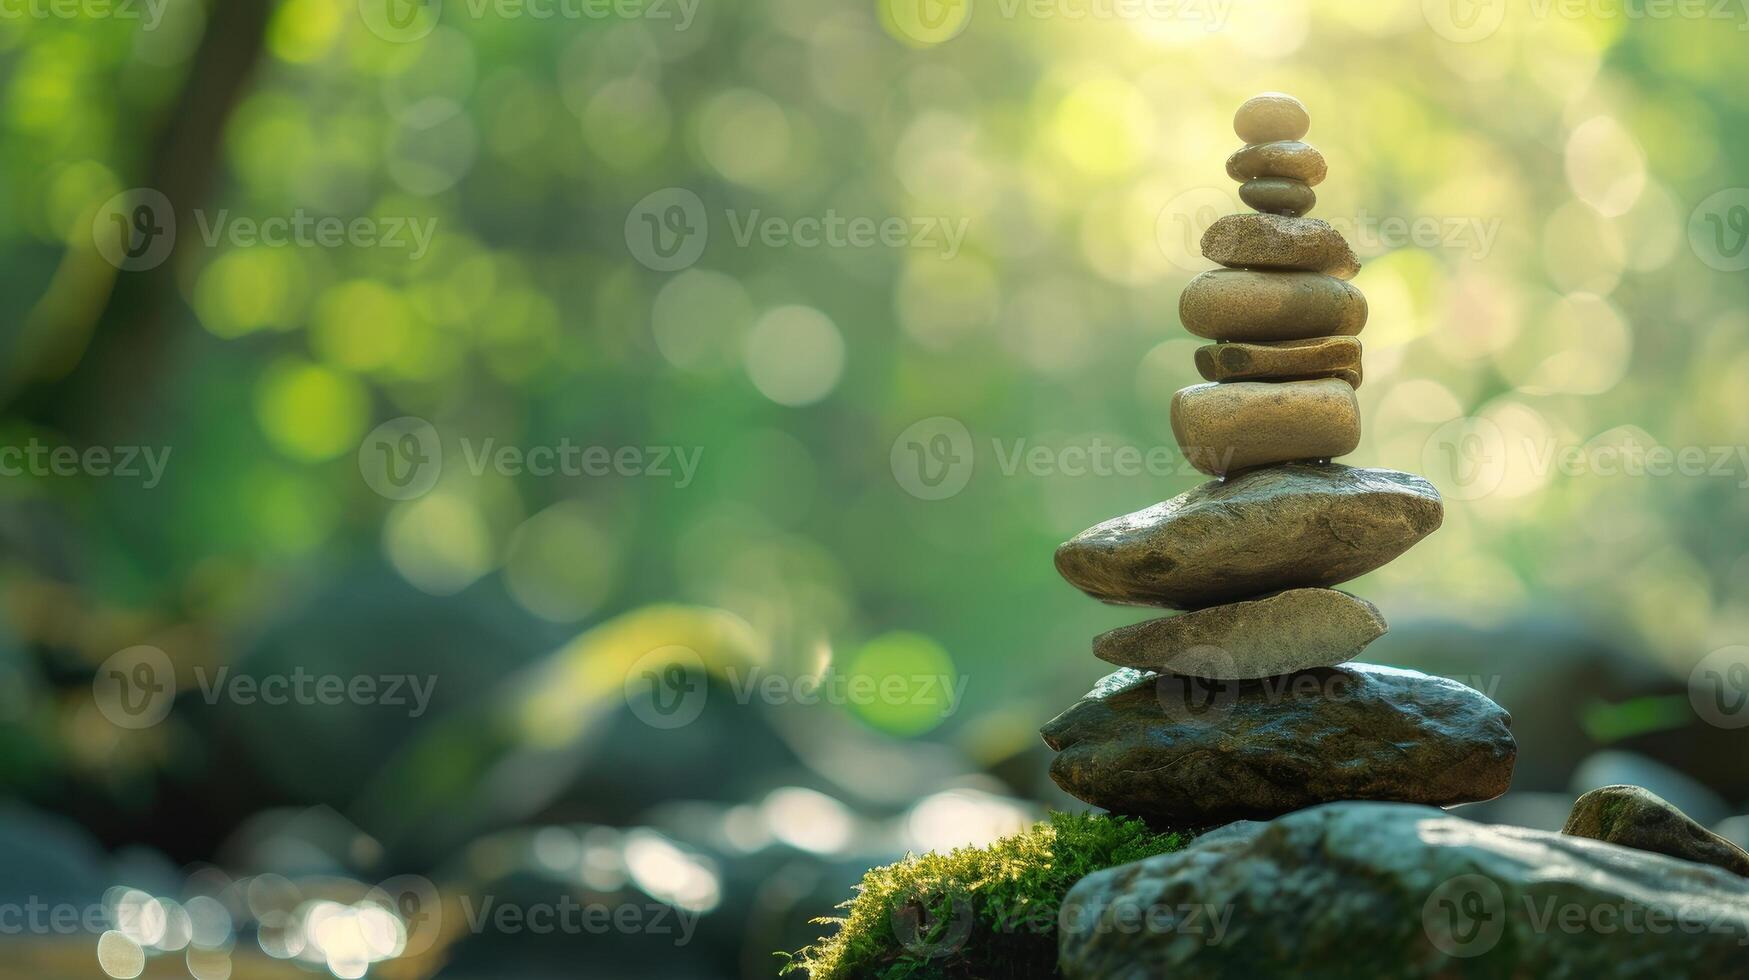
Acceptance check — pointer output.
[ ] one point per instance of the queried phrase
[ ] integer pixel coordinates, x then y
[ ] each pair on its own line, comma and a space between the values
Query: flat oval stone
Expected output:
1270, 117
1224, 428
1282, 360
1283, 158
1278, 634
1188, 753
1239, 304
1278, 195
1273, 241
1282, 527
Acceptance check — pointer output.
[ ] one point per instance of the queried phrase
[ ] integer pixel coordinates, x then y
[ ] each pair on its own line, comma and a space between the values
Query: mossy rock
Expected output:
978, 913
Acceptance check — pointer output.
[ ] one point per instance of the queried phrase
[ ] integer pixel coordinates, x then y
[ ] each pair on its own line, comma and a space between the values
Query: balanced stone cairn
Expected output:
1239, 708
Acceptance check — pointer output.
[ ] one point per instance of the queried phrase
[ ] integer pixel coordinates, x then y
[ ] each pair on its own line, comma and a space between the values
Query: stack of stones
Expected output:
1245, 706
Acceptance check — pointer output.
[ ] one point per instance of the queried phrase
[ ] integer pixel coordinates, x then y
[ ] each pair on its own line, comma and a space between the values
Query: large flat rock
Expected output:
1194, 753
1392, 891
1292, 526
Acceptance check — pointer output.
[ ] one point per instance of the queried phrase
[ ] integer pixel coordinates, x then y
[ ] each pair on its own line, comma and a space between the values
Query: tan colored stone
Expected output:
1239, 304
1278, 634
1285, 158
1280, 527
1270, 117
1272, 241
1224, 428
1283, 360
1278, 195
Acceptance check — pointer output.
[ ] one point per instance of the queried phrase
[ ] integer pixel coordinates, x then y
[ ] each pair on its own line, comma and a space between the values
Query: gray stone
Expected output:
1185, 752
1278, 195
1273, 241
1280, 158
1279, 634
1636, 817
1283, 527
1239, 304
1393, 891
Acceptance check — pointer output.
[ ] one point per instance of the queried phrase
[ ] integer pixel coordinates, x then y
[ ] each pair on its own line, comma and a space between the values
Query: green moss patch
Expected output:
981, 913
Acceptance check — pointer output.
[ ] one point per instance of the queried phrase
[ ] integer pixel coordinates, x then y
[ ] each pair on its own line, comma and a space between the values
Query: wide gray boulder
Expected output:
1395, 890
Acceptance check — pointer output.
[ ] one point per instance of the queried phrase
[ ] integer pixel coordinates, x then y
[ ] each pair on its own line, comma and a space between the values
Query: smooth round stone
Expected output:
1272, 241
1270, 117
1282, 527
1224, 428
1238, 304
1279, 634
1285, 360
1287, 158
1278, 195
1190, 753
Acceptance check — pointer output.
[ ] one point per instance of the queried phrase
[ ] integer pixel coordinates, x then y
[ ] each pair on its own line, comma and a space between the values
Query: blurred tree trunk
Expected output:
98, 351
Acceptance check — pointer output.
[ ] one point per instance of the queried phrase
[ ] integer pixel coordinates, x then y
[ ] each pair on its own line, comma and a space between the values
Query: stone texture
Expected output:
1394, 891
1270, 117
1633, 816
1282, 360
1282, 158
1272, 241
1284, 527
1278, 195
1238, 304
1225, 428
1193, 753
1278, 634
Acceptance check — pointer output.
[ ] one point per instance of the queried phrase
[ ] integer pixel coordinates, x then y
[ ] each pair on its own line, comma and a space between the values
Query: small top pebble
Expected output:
1271, 117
